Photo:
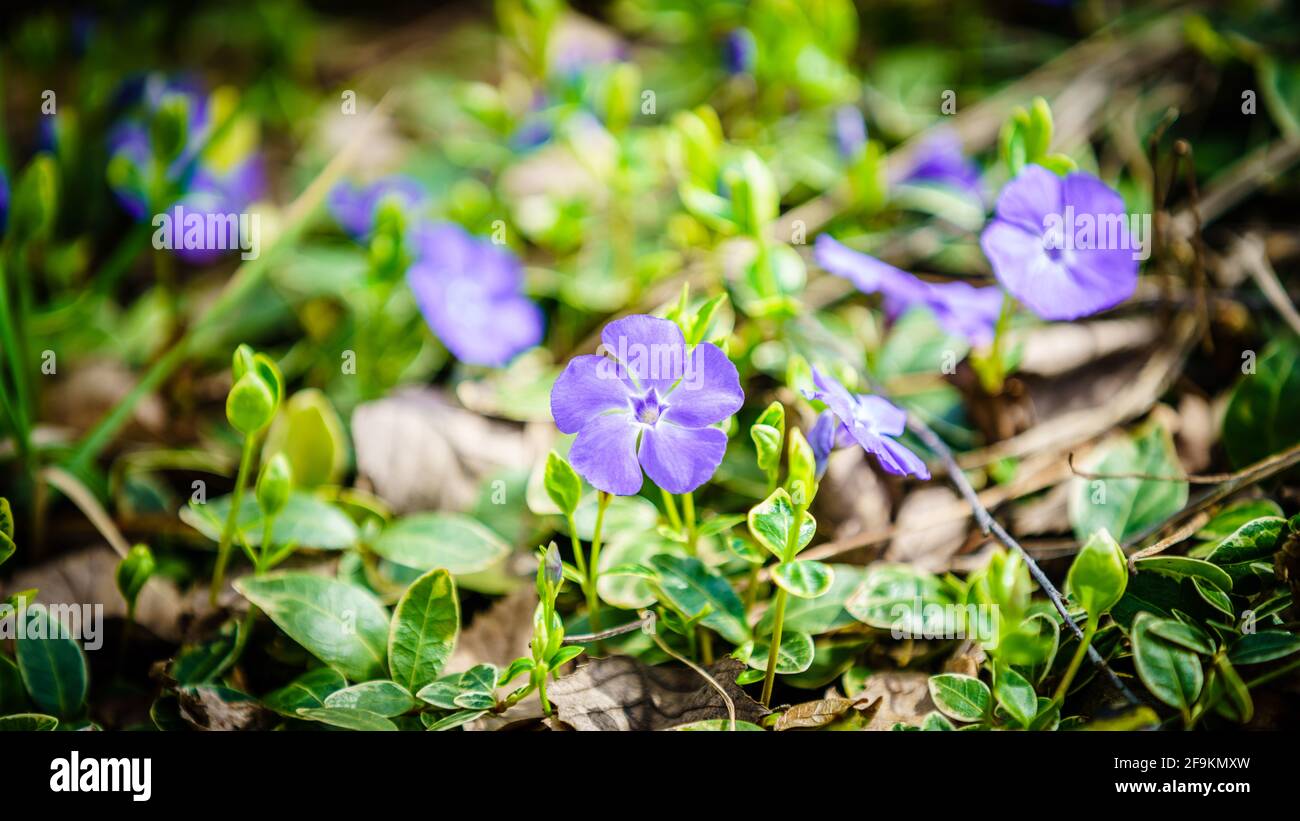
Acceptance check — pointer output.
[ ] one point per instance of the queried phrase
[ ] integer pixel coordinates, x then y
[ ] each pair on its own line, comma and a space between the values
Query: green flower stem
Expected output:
688, 511
778, 616
993, 374
593, 566
578, 556
228, 532
1064, 687
670, 507
774, 646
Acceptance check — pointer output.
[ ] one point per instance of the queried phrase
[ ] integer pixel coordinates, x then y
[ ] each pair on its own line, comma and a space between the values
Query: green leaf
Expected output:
1173, 674
7, 548
1184, 635
1264, 646
1180, 566
1236, 703
1226, 521
308, 690
772, 520
564, 655
1256, 539
562, 483
52, 666
1259, 420
716, 725
423, 632
6, 519
936, 721
348, 719
767, 444
1126, 507
626, 591
796, 654
691, 586
306, 521
341, 624
385, 698
964, 698
452, 541
1215, 597
451, 722
1098, 576
477, 688
13, 695
824, 613
1016, 695
889, 596
804, 579
28, 722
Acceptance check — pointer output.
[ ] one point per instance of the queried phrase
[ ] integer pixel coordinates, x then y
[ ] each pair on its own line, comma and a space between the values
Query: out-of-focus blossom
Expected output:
739, 51
471, 295
354, 207
202, 179
938, 159
650, 403
960, 308
850, 131
4, 201
871, 421
1061, 245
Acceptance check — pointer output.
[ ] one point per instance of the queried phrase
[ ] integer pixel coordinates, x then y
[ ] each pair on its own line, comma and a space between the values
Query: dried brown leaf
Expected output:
924, 539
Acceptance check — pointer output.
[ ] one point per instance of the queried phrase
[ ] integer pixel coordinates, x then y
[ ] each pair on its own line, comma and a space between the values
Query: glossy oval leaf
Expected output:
1173, 674
824, 613
348, 719
796, 654
452, 541
51, 664
1125, 507
1184, 635
1264, 646
306, 521
960, 697
341, 624
903, 598
691, 585
1256, 539
1259, 420
804, 579
1099, 575
423, 632
1182, 566
771, 520
1016, 695
385, 698
308, 690
27, 723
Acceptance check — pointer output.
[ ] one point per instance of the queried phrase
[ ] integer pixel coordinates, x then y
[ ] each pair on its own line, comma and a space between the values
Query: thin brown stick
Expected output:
1190, 478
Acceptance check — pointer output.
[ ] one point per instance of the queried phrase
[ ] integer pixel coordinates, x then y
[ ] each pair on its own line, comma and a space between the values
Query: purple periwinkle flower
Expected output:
850, 131
471, 295
354, 207
938, 159
960, 308
4, 201
1061, 245
871, 421
646, 401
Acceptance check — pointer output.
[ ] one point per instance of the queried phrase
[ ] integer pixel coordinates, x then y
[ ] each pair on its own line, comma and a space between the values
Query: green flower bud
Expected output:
274, 484
250, 406
133, 572
242, 362
35, 199
803, 469
169, 128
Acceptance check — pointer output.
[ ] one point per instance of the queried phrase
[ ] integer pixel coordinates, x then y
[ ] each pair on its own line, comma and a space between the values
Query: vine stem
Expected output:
232, 517
778, 615
989, 525
593, 566
688, 513
1085, 643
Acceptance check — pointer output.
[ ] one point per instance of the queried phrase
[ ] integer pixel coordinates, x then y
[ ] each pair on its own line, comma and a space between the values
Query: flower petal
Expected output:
588, 387
868, 274
652, 350
887, 417
681, 459
708, 392
893, 457
1029, 198
605, 454
836, 397
1024, 268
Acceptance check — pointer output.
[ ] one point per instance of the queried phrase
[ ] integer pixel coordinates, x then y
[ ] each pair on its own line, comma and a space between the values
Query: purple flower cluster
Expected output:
651, 403
871, 421
1031, 246
206, 184
960, 308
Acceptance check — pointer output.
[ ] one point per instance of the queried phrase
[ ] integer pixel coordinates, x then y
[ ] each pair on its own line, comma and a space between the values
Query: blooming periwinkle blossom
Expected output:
354, 207
470, 292
960, 308
939, 160
871, 421
1035, 252
651, 403
739, 51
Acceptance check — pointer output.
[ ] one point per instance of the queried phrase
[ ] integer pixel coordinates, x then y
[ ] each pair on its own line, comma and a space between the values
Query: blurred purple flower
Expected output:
651, 403
1039, 255
871, 421
939, 159
850, 131
739, 51
200, 186
354, 207
960, 308
4, 201
471, 295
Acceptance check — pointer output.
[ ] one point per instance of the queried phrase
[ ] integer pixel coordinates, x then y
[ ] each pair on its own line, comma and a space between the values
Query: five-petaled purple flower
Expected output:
651, 404
959, 307
1043, 253
471, 294
871, 421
